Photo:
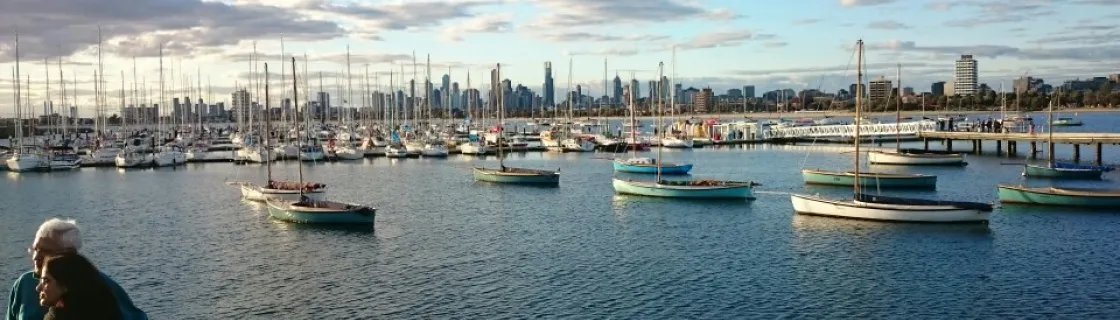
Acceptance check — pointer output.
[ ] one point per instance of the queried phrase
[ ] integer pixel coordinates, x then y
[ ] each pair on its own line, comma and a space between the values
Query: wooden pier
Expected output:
1012, 140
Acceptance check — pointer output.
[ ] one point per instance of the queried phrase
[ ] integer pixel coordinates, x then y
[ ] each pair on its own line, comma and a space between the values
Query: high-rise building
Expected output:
704, 100
908, 91
617, 96
635, 89
239, 101
446, 85
748, 92
663, 89
937, 88
549, 89
456, 100
880, 90
965, 77
735, 93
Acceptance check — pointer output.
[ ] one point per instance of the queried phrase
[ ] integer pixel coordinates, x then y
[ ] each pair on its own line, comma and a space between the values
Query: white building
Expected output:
964, 79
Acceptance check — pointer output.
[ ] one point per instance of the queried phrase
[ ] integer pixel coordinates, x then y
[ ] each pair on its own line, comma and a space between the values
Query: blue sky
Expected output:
770, 44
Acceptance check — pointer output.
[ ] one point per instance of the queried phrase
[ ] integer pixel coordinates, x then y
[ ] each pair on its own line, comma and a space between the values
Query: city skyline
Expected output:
720, 44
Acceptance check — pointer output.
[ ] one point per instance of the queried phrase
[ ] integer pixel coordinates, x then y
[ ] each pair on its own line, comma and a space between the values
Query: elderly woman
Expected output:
56, 237
72, 288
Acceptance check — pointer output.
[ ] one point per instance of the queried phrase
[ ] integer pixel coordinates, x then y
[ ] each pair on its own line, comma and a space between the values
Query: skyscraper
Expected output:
635, 89
748, 92
617, 97
964, 79
446, 83
549, 89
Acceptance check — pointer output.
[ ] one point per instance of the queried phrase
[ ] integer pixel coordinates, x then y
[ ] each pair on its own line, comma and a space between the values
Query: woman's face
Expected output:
50, 291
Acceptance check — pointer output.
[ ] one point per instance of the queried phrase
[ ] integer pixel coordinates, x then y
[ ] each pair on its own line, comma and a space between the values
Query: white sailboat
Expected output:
882, 208
281, 190
911, 157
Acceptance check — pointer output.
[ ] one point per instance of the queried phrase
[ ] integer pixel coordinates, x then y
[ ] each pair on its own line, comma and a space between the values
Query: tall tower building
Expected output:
549, 89
635, 89
964, 79
617, 96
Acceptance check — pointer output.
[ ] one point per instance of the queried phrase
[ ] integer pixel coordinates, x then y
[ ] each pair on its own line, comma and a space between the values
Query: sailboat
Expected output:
24, 157
910, 157
285, 190
877, 179
1059, 170
644, 164
304, 209
882, 208
504, 174
701, 189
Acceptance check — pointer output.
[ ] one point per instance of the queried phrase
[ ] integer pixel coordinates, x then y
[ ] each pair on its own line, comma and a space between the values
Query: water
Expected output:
185, 247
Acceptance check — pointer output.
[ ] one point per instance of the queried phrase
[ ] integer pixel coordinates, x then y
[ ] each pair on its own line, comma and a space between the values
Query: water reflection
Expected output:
809, 225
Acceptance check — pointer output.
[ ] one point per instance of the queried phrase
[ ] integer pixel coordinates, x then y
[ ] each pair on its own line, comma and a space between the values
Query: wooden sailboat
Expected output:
504, 174
695, 189
1058, 170
911, 157
880, 180
285, 190
307, 210
882, 208
637, 164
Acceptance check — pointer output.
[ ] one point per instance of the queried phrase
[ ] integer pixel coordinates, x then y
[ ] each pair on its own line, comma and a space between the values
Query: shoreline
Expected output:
846, 114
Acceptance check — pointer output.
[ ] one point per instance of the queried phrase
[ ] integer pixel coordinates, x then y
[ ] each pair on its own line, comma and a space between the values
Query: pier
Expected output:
1012, 140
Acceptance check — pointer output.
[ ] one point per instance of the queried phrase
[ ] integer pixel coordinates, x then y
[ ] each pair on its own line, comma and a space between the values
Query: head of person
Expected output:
55, 237
69, 277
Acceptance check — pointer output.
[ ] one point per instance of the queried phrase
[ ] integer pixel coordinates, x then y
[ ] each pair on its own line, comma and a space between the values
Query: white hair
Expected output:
63, 232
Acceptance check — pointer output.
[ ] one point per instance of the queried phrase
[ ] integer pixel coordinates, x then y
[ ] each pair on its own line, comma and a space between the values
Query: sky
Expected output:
720, 44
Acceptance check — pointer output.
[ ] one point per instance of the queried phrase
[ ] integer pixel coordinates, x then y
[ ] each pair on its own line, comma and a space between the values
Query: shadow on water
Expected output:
338, 229
488, 184
819, 224
1026, 209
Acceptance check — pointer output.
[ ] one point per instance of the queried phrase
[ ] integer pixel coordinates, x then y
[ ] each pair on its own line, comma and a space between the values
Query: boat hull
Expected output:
286, 211
915, 159
1049, 197
495, 176
26, 163
652, 169
870, 180
256, 193
1061, 173
814, 205
652, 189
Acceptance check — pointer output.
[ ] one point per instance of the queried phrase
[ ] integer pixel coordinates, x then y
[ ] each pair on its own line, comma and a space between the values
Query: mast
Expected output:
496, 82
898, 113
859, 100
49, 105
322, 117
660, 72
1050, 136
633, 120
19, 100
267, 126
62, 87
299, 142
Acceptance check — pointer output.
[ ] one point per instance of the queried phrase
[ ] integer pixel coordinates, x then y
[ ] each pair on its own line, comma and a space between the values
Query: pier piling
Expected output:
999, 148
927, 144
1098, 154
1049, 150
1076, 152
949, 145
1034, 149
1012, 149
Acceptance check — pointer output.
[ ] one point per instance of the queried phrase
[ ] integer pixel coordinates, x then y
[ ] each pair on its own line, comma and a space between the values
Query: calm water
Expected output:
185, 247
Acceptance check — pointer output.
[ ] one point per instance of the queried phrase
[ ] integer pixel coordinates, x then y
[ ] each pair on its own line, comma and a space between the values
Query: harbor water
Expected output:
184, 246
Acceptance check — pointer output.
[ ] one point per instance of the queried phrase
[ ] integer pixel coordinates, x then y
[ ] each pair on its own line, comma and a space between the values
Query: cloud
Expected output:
613, 52
998, 11
857, 3
776, 44
490, 23
356, 58
1098, 2
723, 39
1086, 53
64, 27
599, 37
1087, 39
887, 25
564, 14
806, 21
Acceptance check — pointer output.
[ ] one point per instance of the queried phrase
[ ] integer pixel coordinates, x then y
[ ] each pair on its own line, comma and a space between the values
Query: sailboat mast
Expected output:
859, 100
295, 97
898, 113
496, 83
267, 135
660, 72
633, 120
19, 100
1050, 136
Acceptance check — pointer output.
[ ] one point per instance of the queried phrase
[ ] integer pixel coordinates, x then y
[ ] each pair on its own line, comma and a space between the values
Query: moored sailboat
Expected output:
693, 189
1059, 170
869, 179
883, 208
304, 209
1064, 197
283, 190
513, 175
910, 157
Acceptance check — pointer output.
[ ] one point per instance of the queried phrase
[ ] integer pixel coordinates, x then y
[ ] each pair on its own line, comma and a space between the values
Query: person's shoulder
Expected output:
27, 276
